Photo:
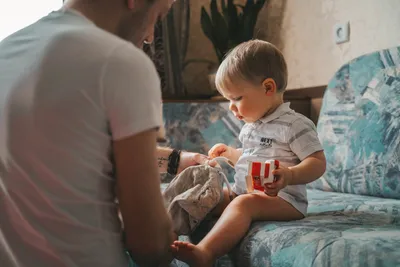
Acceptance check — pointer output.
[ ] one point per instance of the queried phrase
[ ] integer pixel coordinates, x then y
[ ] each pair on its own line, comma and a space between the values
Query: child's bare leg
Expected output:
233, 225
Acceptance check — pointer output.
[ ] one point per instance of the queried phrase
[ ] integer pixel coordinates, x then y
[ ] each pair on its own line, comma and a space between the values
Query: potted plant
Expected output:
226, 27
230, 25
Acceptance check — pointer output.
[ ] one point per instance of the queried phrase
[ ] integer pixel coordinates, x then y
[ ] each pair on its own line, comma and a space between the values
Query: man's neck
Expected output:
95, 13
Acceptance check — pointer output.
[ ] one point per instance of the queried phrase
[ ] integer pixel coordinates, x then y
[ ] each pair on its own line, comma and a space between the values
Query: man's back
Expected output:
56, 197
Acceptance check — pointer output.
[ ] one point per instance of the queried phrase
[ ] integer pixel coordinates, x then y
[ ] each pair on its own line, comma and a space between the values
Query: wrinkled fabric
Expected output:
192, 195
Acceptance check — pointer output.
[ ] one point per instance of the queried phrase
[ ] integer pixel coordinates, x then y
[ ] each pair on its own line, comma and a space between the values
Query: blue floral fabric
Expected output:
340, 230
359, 127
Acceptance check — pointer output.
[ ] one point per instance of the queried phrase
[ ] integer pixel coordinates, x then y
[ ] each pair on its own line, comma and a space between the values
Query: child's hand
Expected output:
284, 177
220, 150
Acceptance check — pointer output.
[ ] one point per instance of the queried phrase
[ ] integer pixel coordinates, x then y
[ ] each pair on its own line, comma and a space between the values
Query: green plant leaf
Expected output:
206, 24
232, 25
216, 31
223, 5
214, 10
225, 12
220, 29
249, 19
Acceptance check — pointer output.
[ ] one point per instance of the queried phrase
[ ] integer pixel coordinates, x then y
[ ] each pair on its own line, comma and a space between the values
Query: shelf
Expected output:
290, 94
307, 92
208, 99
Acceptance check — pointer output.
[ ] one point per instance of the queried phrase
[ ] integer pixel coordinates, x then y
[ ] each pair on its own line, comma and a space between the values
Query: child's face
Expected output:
248, 102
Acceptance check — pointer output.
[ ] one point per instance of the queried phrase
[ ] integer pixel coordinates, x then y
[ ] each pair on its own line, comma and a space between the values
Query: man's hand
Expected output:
191, 159
284, 177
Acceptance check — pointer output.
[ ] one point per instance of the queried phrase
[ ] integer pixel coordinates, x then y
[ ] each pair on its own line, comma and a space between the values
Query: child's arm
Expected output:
310, 169
233, 154
237, 153
223, 150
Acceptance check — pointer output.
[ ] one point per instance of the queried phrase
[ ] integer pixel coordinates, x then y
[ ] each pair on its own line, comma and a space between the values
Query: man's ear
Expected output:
131, 4
269, 86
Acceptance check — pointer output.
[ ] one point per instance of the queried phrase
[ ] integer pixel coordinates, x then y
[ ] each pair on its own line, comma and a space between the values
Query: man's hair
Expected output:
253, 61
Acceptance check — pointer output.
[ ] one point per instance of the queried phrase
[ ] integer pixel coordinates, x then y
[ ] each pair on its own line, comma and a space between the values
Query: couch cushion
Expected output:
359, 127
340, 230
198, 126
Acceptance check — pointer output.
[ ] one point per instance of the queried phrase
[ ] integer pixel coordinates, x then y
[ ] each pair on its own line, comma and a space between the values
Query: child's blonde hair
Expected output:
253, 61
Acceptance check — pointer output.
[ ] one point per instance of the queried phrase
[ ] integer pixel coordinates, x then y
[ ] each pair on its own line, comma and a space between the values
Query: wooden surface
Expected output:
306, 101
298, 93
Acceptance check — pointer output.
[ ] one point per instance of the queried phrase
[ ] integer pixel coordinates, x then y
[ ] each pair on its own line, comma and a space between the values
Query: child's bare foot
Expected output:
191, 254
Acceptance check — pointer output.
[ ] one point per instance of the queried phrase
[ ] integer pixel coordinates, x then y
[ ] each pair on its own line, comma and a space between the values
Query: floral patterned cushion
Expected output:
359, 127
340, 230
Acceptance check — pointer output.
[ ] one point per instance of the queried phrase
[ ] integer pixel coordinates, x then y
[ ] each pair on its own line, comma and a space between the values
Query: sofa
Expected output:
354, 209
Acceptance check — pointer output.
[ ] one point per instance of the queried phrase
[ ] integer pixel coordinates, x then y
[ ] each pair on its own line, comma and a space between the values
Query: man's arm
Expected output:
162, 158
146, 222
187, 159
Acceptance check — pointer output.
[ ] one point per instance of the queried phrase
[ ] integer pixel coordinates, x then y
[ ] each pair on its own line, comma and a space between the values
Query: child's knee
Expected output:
248, 205
241, 202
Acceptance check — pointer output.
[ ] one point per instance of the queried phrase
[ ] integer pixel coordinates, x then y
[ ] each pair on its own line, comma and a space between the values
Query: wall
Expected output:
307, 40
303, 31
14, 18
199, 47
195, 75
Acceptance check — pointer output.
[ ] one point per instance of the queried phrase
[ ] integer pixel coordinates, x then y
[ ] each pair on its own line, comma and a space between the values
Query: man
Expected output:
66, 82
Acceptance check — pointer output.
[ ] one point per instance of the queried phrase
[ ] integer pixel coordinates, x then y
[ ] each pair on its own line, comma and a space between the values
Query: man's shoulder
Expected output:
67, 35
93, 40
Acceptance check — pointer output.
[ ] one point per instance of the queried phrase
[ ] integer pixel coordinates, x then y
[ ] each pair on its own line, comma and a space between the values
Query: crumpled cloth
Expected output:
192, 195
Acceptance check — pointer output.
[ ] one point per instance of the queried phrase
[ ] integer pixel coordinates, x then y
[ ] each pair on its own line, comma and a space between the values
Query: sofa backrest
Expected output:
198, 126
359, 127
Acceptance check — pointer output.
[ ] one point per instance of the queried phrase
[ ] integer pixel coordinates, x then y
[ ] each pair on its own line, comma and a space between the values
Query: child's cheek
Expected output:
240, 108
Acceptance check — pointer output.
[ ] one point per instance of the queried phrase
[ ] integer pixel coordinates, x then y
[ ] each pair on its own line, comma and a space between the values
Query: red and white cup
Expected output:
259, 174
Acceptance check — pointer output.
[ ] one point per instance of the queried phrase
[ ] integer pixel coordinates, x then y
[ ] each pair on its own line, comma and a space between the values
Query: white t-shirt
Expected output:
284, 135
64, 84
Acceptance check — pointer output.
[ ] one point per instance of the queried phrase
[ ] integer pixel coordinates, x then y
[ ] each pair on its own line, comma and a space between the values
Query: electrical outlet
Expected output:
341, 32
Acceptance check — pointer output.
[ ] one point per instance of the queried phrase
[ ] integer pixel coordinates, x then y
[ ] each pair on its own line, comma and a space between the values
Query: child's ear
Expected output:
269, 86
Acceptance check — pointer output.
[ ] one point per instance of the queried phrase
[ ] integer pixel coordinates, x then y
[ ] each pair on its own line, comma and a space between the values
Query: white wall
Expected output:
16, 14
302, 29
307, 42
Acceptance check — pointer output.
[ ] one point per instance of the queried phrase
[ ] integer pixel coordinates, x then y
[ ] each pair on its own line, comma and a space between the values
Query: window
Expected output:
15, 15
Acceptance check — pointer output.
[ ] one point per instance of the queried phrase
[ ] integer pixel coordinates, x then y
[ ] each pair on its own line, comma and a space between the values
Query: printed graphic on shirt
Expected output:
265, 142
